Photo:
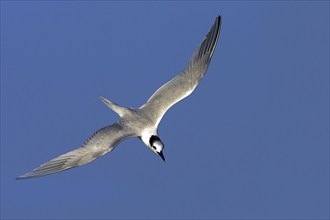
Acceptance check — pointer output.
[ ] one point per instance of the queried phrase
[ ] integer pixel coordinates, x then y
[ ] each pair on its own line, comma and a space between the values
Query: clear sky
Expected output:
252, 141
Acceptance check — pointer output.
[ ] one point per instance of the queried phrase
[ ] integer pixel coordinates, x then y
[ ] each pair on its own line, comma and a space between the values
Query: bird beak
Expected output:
162, 156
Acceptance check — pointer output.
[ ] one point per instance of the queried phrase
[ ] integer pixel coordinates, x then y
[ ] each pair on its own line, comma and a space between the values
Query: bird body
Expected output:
142, 122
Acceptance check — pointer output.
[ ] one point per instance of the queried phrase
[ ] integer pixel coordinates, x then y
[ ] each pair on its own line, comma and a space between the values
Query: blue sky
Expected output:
252, 141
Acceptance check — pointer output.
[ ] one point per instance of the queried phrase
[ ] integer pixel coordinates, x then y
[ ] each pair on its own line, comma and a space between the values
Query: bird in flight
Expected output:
142, 122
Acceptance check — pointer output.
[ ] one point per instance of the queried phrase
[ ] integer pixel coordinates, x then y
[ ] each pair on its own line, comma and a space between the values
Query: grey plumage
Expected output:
142, 122
101, 142
184, 84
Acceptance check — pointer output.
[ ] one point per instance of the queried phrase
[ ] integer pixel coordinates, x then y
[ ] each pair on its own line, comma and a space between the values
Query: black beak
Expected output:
161, 155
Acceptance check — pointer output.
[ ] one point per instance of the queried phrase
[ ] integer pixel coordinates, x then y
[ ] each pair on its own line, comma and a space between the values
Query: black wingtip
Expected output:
214, 36
22, 177
218, 21
26, 176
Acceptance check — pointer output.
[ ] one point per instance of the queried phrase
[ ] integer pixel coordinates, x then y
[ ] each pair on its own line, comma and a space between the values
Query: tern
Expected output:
142, 122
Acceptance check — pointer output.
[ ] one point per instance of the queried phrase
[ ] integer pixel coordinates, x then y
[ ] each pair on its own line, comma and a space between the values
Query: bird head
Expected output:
157, 146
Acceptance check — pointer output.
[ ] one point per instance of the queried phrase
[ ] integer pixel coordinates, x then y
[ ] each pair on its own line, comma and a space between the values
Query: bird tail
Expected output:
120, 110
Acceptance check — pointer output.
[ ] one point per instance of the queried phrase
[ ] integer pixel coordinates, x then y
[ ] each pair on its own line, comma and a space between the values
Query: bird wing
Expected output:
100, 143
184, 84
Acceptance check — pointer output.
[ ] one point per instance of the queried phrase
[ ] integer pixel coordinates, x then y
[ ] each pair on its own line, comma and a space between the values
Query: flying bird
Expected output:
142, 122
